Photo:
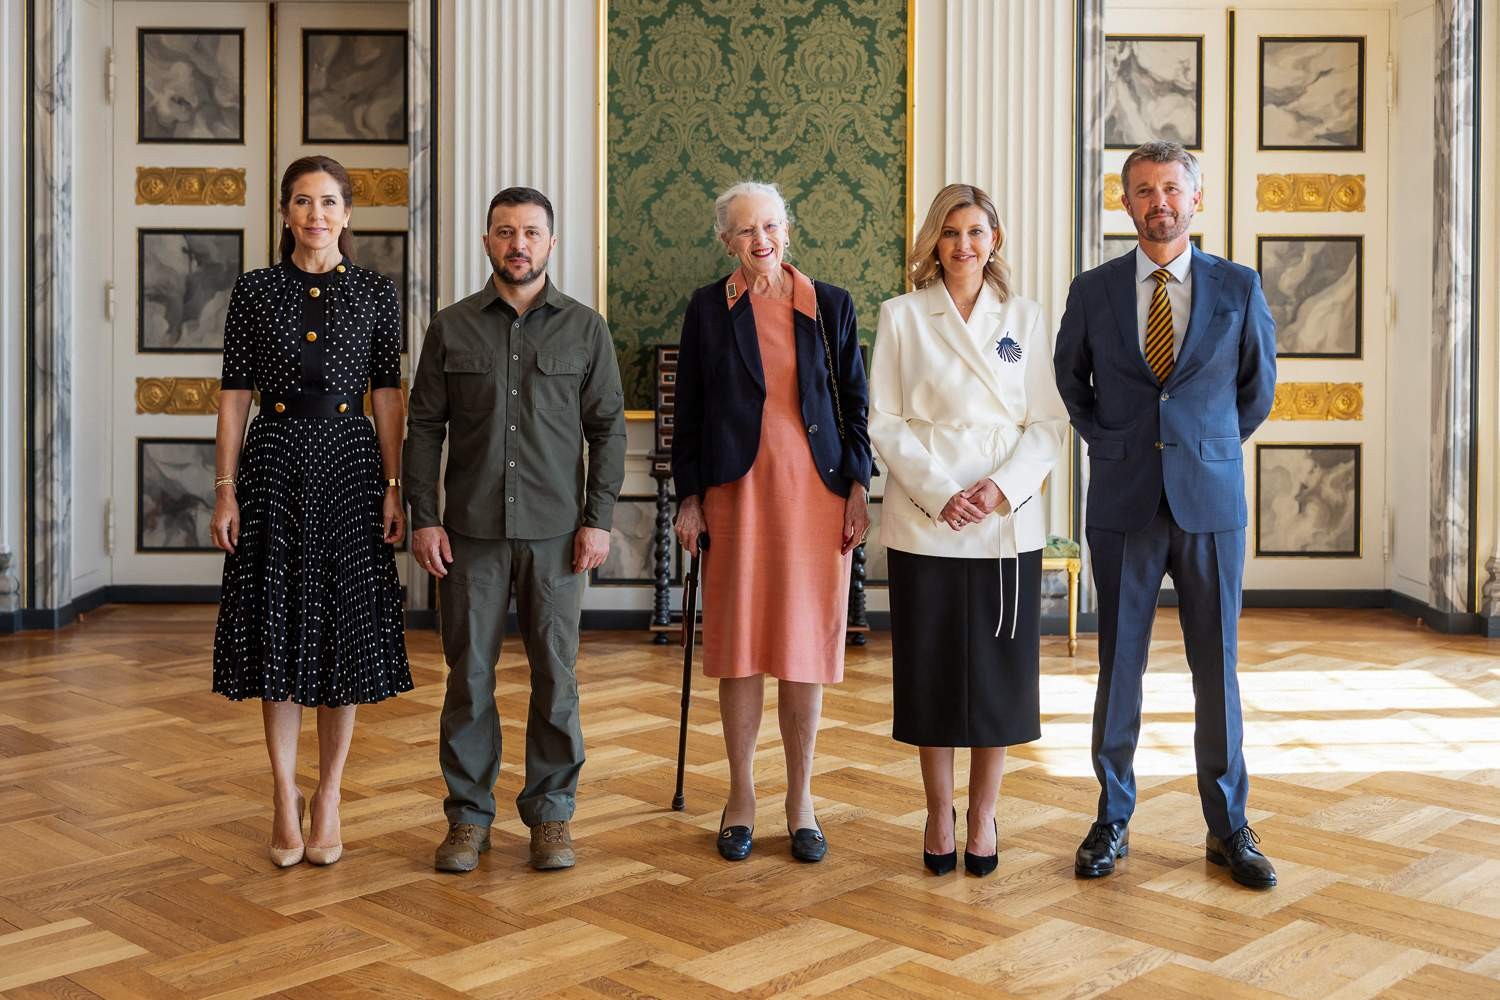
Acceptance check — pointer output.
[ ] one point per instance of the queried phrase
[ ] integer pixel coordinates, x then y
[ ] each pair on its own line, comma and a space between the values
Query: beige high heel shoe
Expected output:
325, 855
285, 857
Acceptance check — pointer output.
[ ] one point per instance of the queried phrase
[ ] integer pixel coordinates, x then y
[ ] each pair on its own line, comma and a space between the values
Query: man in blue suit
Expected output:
1166, 360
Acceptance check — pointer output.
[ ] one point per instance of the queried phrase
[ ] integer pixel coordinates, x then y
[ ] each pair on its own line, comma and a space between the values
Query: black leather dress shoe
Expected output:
940, 864
1096, 855
980, 865
734, 842
1246, 864
808, 844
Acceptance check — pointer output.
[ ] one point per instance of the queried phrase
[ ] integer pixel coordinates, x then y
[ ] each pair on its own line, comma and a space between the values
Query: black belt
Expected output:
311, 404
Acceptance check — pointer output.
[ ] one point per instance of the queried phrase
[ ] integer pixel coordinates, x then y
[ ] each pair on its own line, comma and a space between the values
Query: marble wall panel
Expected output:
1312, 93
1307, 500
1453, 294
191, 86
1314, 287
1153, 90
184, 277
51, 295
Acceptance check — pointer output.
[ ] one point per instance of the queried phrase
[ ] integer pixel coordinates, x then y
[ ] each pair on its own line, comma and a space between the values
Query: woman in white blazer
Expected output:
966, 417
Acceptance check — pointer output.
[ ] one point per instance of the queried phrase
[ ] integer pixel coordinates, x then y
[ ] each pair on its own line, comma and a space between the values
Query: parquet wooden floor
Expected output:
134, 809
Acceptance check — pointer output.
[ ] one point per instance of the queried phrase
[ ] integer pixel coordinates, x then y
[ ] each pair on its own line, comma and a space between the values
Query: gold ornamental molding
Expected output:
1319, 401
200, 396
189, 186
1114, 194
177, 396
1310, 192
1114, 189
375, 187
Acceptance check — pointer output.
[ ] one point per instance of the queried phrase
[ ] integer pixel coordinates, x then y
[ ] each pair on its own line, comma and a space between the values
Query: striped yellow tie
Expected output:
1159, 328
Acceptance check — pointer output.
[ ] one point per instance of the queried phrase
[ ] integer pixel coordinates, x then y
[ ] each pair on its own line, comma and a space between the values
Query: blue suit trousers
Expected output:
1207, 569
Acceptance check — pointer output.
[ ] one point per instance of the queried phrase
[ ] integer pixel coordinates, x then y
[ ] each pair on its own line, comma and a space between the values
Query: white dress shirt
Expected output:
1179, 294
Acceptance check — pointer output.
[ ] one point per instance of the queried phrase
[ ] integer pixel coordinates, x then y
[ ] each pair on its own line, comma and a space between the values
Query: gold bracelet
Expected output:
223, 481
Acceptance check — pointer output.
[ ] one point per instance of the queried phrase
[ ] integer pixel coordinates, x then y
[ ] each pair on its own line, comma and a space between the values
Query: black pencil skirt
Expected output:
955, 683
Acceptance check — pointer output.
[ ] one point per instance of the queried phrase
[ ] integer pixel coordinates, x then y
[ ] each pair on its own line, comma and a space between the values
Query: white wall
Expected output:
93, 351
1409, 375
12, 290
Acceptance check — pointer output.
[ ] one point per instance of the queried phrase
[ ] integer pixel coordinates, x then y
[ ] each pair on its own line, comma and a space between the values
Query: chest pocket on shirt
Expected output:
471, 379
554, 384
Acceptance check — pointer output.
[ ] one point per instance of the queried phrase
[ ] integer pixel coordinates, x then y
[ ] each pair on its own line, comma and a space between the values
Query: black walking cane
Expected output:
689, 631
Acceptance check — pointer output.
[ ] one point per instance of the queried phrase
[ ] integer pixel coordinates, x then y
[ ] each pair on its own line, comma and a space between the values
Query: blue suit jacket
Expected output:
721, 392
1183, 437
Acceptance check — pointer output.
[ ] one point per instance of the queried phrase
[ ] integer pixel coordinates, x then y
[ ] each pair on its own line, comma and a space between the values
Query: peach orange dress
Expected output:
775, 586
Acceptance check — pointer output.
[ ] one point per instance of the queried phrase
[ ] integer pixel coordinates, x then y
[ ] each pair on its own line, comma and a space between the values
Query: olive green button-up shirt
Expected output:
517, 397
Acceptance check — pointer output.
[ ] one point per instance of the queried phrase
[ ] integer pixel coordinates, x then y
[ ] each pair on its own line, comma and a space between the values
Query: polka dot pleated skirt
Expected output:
311, 607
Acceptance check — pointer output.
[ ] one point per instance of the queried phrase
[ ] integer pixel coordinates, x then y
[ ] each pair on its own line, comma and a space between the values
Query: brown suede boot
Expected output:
552, 845
460, 850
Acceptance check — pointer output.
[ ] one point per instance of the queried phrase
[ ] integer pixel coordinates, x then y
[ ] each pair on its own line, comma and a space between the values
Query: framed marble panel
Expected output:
1120, 244
1307, 500
384, 251
877, 557
1312, 92
183, 280
632, 544
1153, 89
174, 489
1315, 288
190, 85
354, 87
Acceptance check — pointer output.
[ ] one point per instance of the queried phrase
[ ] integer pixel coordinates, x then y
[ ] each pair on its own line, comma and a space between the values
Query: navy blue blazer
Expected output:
1183, 437
721, 392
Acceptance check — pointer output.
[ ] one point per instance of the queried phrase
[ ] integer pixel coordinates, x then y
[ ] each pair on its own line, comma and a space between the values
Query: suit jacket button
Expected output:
813, 429
1166, 396
1159, 446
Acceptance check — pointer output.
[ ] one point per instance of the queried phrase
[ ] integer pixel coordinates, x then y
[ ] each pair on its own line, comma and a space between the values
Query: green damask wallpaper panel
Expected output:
806, 94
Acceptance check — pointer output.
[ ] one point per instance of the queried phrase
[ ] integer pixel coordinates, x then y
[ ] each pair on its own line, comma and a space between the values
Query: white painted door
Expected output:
1244, 90
191, 208
1310, 147
341, 74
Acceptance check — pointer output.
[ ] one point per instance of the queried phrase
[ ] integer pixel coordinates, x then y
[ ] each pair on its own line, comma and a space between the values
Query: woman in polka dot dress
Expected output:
309, 509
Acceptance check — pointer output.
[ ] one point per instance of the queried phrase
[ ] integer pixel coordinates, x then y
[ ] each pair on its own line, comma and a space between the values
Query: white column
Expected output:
1008, 128
518, 106
1010, 131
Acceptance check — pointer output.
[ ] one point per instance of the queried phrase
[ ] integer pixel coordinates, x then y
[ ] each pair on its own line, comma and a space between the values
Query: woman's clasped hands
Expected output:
972, 505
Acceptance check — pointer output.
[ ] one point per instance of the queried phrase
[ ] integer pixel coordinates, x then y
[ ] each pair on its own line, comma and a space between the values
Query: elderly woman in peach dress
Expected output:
771, 460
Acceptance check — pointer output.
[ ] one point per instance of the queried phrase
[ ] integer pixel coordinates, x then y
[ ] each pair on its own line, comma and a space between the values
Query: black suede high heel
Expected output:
940, 864
981, 865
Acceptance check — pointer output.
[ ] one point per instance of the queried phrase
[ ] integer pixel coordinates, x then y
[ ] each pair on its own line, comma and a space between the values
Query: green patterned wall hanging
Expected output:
806, 94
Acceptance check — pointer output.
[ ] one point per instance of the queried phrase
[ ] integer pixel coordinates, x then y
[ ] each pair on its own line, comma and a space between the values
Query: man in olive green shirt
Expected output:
518, 377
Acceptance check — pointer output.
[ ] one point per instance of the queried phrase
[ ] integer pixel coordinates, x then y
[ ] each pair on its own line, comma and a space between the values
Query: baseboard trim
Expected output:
1300, 599
1447, 622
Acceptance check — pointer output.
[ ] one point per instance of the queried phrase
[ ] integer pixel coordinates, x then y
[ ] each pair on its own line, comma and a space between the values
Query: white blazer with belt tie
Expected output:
953, 402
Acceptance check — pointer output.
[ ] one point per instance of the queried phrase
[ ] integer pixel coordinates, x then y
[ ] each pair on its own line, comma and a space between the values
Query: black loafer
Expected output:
980, 865
809, 844
940, 864
1096, 855
734, 842
1246, 864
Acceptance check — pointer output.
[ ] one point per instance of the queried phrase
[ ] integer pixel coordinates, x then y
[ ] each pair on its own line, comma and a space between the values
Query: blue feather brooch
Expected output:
1008, 349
